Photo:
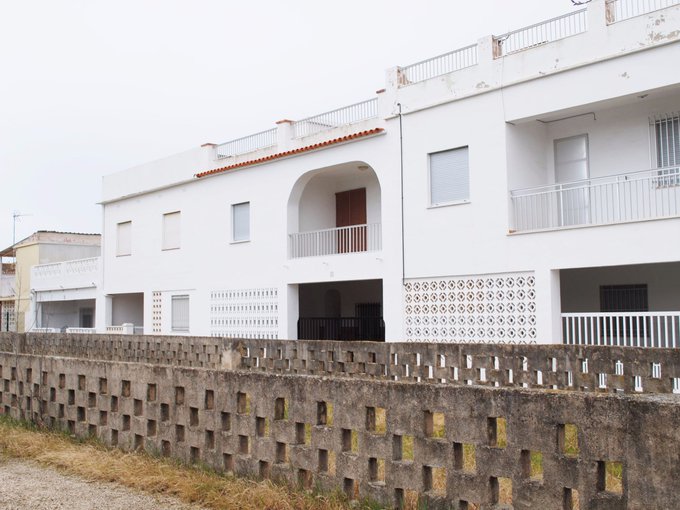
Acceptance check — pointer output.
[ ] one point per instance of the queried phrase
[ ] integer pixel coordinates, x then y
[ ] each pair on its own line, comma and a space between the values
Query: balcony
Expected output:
72, 274
6, 285
630, 329
636, 196
334, 241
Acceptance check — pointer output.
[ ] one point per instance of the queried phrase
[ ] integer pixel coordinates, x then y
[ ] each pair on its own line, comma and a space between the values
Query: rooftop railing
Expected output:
249, 143
342, 116
541, 33
619, 10
439, 65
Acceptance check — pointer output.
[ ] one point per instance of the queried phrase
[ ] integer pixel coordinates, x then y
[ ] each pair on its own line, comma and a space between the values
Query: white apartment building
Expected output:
523, 189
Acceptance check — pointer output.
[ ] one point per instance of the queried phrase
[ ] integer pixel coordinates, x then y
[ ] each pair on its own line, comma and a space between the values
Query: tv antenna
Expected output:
16, 215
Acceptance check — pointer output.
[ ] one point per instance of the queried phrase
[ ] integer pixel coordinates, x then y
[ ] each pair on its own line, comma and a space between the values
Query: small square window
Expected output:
180, 313
449, 177
124, 239
240, 222
172, 230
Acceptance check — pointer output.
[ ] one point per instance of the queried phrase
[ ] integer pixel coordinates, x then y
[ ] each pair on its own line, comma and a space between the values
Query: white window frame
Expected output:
246, 239
122, 250
178, 323
668, 174
169, 243
433, 204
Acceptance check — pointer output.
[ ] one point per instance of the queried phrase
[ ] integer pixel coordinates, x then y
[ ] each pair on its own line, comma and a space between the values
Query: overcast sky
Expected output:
91, 87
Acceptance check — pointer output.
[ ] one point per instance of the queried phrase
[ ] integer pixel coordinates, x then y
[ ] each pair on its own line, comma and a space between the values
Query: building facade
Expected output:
522, 189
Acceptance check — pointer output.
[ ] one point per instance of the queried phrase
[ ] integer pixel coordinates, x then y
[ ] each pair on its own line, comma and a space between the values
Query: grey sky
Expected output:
89, 87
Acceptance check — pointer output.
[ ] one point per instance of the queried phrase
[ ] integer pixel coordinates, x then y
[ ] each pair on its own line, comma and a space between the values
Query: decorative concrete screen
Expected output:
156, 312
486, 308
245, 313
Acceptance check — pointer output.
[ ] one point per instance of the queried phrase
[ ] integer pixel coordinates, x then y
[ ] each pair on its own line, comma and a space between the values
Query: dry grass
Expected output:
93, 461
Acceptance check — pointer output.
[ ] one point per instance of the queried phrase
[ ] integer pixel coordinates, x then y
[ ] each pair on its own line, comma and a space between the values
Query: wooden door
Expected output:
350, 210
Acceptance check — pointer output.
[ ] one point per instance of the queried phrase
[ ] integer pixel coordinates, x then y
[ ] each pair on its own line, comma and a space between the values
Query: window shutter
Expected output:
668, 141
180, 313
124, 238
449, 176
171, 230
241, 221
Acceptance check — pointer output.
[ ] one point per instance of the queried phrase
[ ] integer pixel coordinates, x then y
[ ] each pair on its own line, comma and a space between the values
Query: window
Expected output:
667, 136
180, 313
124, 239
449, 177
240, 222
623, 298
171, 230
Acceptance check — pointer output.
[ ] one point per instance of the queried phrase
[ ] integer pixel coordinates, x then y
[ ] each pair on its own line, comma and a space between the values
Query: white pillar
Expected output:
289, 311
548, 306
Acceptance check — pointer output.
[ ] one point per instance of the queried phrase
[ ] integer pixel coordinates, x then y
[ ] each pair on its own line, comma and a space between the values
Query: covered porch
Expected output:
635, 306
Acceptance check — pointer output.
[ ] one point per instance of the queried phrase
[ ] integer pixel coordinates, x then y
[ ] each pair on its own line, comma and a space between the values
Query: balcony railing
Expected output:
335, 118
70, 274
619, 10
333, 241
547, 31
637, 196
247, 144
81, 331
439, 65
631, 329
341, 328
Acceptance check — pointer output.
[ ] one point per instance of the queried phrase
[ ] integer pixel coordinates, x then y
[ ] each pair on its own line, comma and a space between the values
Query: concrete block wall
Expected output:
328, 431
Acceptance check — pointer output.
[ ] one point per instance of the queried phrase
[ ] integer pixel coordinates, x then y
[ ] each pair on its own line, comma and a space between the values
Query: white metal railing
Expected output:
632, 329
249, 143
340, 117
332, 241
81, 330
618, 198
439, 65
45, 330
619, 10
544, 32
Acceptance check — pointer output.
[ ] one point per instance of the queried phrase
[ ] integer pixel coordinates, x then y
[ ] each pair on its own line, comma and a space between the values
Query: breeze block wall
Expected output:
453, 446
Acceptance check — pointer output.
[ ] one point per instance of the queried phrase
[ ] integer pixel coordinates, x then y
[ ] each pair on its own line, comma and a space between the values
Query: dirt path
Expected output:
28, 486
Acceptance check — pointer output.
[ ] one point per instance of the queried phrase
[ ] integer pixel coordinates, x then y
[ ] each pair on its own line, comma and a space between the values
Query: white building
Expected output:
525, 188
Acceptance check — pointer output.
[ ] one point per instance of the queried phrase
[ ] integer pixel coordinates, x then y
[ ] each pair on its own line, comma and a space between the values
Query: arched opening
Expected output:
335, 210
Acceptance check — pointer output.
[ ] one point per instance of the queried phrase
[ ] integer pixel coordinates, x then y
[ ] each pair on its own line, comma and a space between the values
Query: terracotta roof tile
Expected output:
293, 152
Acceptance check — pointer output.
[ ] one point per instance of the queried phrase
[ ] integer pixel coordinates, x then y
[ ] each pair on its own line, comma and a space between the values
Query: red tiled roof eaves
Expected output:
293, 152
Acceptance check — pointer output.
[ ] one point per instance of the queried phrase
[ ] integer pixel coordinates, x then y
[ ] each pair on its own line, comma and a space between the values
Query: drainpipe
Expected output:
401, 171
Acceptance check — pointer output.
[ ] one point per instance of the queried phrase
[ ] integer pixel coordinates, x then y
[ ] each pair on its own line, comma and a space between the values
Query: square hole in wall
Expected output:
166, 449
501, 490
103, 418
125, 388
81, 382
114, 404
376, 420
53, 395
126, 422
81, 414
350, 488
497, 432
467, 505
532, 464
138, 407
376, 470
138, 442
194, 455
179, 395
261, 426
209, 399
225, 421
403, 448
103, 386
242, 403
281, 409
114, 437
209, 440
434, 480
304, 478
464, 457
71, 397
281, 453
193, 416
165, 412
151, 428
60, 414
571, 499
324, 414
567, 439
92, 430
610, 477
434, 425
350, 441
303, 433
179, 433
264, 469
243, 445
92, 399
228, 461
151, 391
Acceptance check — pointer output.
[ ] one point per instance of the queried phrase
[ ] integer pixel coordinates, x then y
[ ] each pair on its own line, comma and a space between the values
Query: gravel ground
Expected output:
28, 486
